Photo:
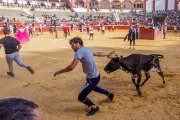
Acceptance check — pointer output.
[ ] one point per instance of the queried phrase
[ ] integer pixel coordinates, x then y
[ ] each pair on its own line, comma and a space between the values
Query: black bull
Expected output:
135, 64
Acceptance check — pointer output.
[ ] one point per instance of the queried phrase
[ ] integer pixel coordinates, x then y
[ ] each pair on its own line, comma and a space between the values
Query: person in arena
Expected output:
12, 47
91, 33
85, 56
19, 109
132, 37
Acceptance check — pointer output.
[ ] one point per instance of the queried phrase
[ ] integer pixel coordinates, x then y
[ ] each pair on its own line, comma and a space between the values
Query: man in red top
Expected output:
87, 29
65, 29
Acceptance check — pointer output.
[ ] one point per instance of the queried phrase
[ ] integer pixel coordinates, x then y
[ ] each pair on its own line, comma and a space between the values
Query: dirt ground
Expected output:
57, 96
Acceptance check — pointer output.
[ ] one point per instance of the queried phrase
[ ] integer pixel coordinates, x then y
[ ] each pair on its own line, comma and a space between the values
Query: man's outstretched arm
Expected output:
68, 68
103, 54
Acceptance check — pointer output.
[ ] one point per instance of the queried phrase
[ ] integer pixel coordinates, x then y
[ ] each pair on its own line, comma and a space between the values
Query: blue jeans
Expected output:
91, 85
14, 57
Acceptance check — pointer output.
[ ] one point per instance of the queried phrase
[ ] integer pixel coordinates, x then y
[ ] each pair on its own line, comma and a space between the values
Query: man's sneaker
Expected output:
10, 74
111, 96
93, 111
30, 70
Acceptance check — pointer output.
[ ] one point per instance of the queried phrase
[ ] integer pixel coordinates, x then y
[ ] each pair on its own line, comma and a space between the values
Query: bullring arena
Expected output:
47, 53
57, 96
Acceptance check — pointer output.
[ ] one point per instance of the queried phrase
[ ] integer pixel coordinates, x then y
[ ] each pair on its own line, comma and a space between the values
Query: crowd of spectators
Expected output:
32, 16
49, 19
7, 19
172, 17
37, 4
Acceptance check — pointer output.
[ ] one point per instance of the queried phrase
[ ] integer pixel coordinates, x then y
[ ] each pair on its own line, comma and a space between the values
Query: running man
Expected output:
86, 57
12, 47
65, 29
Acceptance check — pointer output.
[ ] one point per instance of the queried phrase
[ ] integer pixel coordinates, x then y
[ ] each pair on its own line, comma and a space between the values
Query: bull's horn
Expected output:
113, 56
121, 56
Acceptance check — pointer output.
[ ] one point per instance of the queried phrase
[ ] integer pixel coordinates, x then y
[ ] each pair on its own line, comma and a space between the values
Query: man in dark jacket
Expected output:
12, 46
132, 37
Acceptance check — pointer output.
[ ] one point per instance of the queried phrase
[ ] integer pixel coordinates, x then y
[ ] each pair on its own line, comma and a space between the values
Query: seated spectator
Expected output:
32, 9
42, 4
14, 19
28, 3
19, 109
31, 16
2, 18
23, 14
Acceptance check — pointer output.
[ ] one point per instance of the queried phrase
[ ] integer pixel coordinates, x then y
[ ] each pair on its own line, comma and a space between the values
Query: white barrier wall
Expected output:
171, 4
160, 4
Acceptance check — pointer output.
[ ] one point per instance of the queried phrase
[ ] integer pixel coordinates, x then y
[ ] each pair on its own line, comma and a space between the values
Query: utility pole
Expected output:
55, 23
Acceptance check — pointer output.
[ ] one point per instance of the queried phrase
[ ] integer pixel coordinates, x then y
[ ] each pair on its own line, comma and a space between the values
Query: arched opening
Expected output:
160, 4
93, 5
127, 6
67, 3
104, 4
116, 5
138, 6
79, 3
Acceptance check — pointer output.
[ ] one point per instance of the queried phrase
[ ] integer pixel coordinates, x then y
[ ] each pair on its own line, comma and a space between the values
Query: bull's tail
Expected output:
159, 55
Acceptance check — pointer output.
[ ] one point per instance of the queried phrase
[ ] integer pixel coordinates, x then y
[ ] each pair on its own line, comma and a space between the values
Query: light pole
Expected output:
22, 3
35, 2
59, 3
7, 3
48, 4
55, 23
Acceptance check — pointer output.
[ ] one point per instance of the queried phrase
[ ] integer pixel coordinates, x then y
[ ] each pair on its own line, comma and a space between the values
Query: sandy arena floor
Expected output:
57, 96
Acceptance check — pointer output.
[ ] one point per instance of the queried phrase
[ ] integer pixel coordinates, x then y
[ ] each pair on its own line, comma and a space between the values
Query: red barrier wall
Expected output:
150, 34
146, 34
1, 32
159, 34
17, 23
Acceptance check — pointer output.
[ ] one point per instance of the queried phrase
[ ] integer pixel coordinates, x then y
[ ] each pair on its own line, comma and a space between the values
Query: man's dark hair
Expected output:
76, 40
17, 109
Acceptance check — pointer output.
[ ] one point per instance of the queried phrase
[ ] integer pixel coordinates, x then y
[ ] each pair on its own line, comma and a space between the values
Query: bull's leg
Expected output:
133, 80
147, 78
159, 71
138, 84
